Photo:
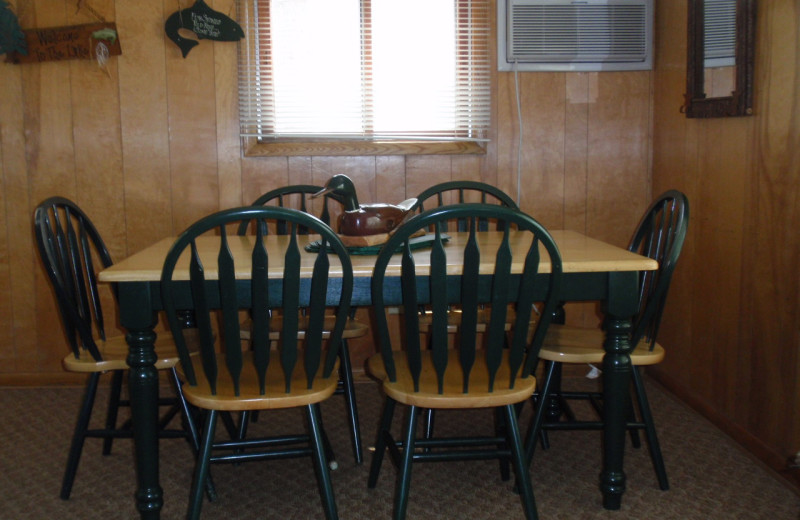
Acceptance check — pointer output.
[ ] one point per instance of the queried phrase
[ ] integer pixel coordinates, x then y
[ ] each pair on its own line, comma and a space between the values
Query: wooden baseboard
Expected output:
762, 453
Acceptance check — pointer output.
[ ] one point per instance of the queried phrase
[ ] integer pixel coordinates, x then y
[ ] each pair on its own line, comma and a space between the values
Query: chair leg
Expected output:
346, 368
636, 442
650, 431
501, 430
191, 427
380, 442
404, 470
321, 463
330, 455
428, 420
539, 413
201, 466
113, 408
518, 455
79, 435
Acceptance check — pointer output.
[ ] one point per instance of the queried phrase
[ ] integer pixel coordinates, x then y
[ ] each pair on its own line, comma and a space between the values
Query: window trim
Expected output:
261, 147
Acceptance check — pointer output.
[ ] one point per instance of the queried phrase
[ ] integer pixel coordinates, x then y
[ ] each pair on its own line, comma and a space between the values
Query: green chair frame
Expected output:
659, 235
223, 363
69, 246
299, 195
436, 196
439, 288
462, 191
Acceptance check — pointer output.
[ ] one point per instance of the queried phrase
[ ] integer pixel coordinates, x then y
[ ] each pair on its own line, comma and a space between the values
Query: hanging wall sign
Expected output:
75, 42
204, 22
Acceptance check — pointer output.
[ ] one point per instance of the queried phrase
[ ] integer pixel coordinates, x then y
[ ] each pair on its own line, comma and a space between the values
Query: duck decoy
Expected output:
205, 22
363, 219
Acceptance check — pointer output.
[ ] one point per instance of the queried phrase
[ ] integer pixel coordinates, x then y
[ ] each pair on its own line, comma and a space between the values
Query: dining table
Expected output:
593, 270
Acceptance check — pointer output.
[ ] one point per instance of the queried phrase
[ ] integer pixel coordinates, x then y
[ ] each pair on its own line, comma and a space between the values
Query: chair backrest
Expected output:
295, 196
449, 274
70, 247
290, 292
459, 192
659, 235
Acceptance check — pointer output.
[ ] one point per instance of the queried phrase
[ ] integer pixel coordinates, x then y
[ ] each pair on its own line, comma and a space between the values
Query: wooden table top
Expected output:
579, 254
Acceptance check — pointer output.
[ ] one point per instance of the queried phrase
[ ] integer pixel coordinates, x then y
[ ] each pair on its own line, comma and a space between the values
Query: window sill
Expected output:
253, 148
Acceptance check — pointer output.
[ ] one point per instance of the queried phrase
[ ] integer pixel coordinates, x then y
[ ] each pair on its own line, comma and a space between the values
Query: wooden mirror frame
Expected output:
740, 102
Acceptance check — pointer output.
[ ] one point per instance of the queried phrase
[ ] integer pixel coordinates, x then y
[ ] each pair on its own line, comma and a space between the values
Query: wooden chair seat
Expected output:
115, 353
250, 398
453, 395
565, 344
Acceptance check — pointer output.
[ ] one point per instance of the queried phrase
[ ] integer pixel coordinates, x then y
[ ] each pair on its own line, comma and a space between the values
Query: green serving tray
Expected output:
414, 243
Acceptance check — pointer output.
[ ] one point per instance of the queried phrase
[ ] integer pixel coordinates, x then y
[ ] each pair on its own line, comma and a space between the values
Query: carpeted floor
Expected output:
710, 476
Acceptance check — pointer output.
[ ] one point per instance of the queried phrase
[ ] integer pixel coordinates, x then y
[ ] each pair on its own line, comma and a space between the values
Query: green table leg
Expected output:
139, 319
620, 306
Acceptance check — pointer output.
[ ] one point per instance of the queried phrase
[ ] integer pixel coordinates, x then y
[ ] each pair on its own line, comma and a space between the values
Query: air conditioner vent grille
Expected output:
599, 34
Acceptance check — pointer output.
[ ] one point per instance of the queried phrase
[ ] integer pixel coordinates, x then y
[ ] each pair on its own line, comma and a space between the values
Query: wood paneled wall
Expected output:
731, 325
150, 144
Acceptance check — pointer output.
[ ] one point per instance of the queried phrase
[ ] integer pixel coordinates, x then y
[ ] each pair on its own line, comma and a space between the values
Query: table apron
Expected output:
139, 300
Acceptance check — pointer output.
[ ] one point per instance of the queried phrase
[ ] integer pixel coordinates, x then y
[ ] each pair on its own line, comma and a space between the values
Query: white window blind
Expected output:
365, 70
719, 45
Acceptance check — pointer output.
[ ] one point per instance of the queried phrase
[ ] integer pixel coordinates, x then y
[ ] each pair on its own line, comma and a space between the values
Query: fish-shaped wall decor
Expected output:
206, 23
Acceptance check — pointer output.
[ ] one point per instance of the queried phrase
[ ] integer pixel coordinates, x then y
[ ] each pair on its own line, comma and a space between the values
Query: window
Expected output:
362, 77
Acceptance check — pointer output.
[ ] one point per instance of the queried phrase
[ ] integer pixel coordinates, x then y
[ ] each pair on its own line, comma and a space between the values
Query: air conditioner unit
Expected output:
564, 35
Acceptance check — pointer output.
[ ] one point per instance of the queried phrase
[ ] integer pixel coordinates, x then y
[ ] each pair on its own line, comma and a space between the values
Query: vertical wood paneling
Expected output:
192, 109
50, 153
17, 299
229, 167
576, 148
97, 141
153, 145
390, 178
618, 154
144, 122
731, 323
424, 171
777, 170
541, 168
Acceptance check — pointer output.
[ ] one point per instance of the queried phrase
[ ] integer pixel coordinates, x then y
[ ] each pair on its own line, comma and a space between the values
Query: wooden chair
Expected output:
496, 373
460, 192
228, 374
659, 235
72, 250
297, 196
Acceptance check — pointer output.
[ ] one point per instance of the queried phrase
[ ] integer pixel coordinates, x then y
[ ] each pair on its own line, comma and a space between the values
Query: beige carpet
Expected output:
710, 477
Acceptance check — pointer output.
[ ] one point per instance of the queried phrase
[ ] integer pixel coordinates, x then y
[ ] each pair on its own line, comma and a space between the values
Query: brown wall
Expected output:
151, 145
731, 324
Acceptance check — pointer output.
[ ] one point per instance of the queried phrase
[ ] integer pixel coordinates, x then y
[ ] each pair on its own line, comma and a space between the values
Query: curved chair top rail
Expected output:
460, 190
660, 235
261, 294
299, 193
471, 290
69, 244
